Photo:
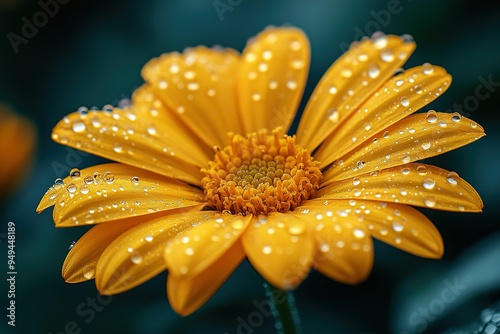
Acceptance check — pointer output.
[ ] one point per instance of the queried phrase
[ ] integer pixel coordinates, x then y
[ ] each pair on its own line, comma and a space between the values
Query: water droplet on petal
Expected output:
84, 190
148, 238
452, 178
456, 117
360, 164
358, 233
136, 258
373, 71
421, 170
291, 84
407, 38
118, 148
426, 145
427, 68
405, 158
387, 55
379, 39
431, 116
151, 130
108, 177
405, 102
398, 227
297, 228
78, 126
75, 174
88, 271
333, 115
267, 249
135, 180
428, 183
71, 188
83, 111
429, 201
332, 90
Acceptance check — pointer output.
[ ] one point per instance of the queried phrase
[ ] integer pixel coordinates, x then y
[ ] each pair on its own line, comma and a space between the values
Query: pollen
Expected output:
259, 174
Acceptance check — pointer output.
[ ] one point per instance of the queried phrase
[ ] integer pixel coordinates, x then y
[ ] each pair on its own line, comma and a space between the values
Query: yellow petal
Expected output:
137, 255
199, 86
414, 184
169, 130
414, 138
398, 225
81, 261
186, 295
281, 248
348, 83
272, 77
197, 249
17, 143
343, 248
399, 97
115, 191
123, 136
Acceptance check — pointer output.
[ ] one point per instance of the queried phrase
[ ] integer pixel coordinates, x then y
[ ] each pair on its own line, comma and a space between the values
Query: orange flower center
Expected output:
260, 174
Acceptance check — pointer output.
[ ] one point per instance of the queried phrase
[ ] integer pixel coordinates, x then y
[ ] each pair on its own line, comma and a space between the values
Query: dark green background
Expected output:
91, 53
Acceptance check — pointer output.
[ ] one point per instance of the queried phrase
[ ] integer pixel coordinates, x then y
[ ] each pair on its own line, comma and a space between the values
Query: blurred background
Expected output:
91, 53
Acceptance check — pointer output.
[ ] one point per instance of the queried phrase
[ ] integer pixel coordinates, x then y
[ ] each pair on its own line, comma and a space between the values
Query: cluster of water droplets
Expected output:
259, 60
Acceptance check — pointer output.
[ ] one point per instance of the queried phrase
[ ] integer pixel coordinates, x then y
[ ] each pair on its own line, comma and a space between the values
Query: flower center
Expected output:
260, 174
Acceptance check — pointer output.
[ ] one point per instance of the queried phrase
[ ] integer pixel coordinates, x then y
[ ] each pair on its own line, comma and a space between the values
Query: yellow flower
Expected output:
17, 143
287, 203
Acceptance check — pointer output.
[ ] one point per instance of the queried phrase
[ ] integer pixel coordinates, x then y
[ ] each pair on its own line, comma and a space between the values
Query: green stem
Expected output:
286, 315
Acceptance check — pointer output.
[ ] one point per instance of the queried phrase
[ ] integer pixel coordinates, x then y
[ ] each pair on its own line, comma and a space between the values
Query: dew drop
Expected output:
267, 249
78, 126
135, 180
189, 251
386, 134
346, 72
405, 171
405, 102
431, 116
387, 55
332, 90
429, 201
297, 228
118, 148
398, 227
238, 224
405, 158
136, 258
333, 115
356, 181
71, 188
324, 247
88, 271
373, 71
427, 69
426, 145
360, 164
148, 238
452, 178
84, 190
75, 174
108, 177
456, 117
421, 170
379, 39
291, 84
403, 192
256, 97
151, 130
358, 233
273, 84
362, 57
428, 183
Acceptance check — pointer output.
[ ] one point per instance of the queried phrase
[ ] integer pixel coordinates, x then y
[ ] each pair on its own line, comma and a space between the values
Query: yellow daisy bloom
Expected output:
207, 175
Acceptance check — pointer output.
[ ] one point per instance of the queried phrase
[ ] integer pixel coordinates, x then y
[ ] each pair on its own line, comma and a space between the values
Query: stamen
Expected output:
259, 174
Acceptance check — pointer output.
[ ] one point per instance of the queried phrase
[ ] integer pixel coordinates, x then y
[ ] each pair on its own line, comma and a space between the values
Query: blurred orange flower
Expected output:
17, 145
287, 203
